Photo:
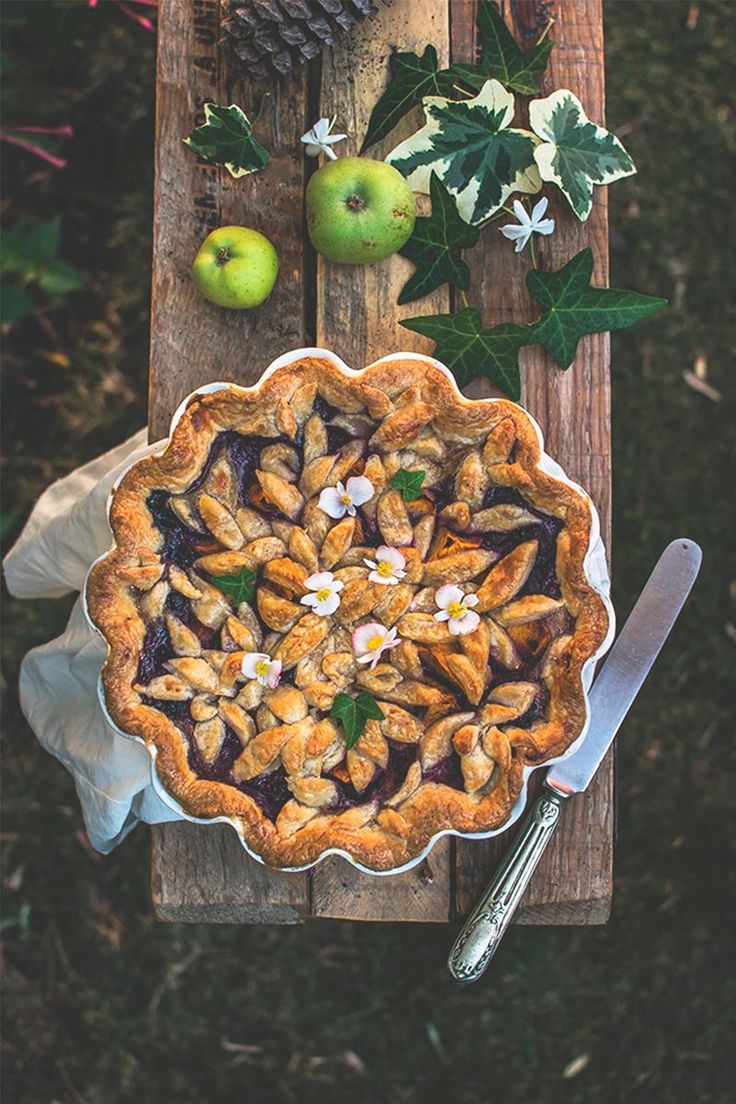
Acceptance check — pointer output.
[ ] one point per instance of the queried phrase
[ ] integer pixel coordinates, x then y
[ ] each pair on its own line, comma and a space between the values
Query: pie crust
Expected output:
465, 713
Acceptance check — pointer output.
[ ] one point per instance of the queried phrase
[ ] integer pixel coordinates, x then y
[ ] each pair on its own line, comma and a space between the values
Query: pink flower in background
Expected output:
11, 137
142, 20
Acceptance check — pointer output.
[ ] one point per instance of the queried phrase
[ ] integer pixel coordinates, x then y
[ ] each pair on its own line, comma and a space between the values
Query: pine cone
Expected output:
272, 36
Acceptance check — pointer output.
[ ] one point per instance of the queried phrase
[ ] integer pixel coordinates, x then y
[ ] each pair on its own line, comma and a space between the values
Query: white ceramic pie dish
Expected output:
596, 572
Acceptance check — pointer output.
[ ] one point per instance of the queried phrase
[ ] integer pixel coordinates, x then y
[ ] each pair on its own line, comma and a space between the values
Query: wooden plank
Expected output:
202, 873
357, 317
573, 883
192, 341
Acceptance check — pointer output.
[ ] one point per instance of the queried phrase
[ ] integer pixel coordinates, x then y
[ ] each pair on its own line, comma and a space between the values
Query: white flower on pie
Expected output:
325, 596
454, 607
340, 500
370, 641
319, 140
528, 224
388, 566
259, 666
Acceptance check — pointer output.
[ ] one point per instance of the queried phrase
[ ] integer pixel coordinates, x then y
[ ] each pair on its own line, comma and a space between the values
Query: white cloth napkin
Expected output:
65, 533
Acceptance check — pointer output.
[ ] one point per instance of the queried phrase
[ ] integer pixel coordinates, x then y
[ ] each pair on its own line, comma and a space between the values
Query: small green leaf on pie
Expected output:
353, 713
469, 351
434, 246
574, 308
412, 78
575, 154
503, 58
409, 483
469, 144
238, 588
226, 139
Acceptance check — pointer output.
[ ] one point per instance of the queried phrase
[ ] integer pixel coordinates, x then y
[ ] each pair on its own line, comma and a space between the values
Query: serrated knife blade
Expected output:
614, 691
629, 662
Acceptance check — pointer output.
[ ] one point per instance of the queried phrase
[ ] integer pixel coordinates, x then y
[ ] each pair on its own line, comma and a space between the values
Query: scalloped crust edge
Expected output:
434, 808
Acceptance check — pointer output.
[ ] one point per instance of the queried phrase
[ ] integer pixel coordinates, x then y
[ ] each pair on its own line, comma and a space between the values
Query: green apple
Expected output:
235, 267
359, 210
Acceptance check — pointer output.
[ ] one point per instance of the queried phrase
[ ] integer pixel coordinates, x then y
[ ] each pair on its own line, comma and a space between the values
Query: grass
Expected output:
105, 1006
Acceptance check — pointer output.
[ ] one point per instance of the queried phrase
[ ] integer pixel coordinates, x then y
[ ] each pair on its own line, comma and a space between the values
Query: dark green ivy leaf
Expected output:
574, 308
226, 139
469, 351
409, 483
238, 588
353, 714
434, 246
503, 58
412, 78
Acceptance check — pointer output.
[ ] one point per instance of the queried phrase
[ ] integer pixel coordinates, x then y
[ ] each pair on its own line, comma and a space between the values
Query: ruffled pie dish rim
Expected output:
594, 573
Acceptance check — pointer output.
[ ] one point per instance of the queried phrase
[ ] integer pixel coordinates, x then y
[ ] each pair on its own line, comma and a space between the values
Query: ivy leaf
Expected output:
503, 58
226, 139
238, 588
574, 153
412, 78
469, 144
469, 351
353, 713
434, 245
574, 308
409, 483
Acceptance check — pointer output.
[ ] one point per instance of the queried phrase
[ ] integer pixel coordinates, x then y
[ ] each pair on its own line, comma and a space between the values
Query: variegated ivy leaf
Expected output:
476, 155
574, 153
226, 139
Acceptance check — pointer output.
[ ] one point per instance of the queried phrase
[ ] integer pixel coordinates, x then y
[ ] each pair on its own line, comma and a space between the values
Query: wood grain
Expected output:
357, 317
573, 883
202, 874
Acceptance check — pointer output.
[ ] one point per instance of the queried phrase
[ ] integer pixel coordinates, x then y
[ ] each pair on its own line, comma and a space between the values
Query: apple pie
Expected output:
349, 611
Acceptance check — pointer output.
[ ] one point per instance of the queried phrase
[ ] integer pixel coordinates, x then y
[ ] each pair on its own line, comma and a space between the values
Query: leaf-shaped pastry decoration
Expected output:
238, 588
226, 138
434, 247
469, 144
574, 308
574, 153
354, 713
469, 350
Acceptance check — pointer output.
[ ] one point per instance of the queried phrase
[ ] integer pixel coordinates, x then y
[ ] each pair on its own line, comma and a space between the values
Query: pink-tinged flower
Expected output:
370, 641
454, 607
259, 666
325, 596
388, 566
340, 500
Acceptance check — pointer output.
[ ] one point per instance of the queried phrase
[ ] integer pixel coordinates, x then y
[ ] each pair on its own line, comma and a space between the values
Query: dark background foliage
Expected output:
103, 1005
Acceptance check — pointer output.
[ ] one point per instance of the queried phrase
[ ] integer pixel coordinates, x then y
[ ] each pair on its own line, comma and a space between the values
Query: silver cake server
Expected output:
628, 664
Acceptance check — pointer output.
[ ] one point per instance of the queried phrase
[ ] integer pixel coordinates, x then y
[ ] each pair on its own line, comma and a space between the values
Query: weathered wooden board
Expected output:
574, 881
202, 874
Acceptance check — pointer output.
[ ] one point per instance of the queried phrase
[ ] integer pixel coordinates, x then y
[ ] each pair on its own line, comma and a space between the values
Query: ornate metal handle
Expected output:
483, 931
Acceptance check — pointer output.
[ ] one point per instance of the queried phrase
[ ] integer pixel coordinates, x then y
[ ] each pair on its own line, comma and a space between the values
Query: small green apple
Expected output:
359, 210
235, 267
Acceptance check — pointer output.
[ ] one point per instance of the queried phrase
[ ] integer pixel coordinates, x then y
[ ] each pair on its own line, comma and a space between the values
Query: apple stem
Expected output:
223, 256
